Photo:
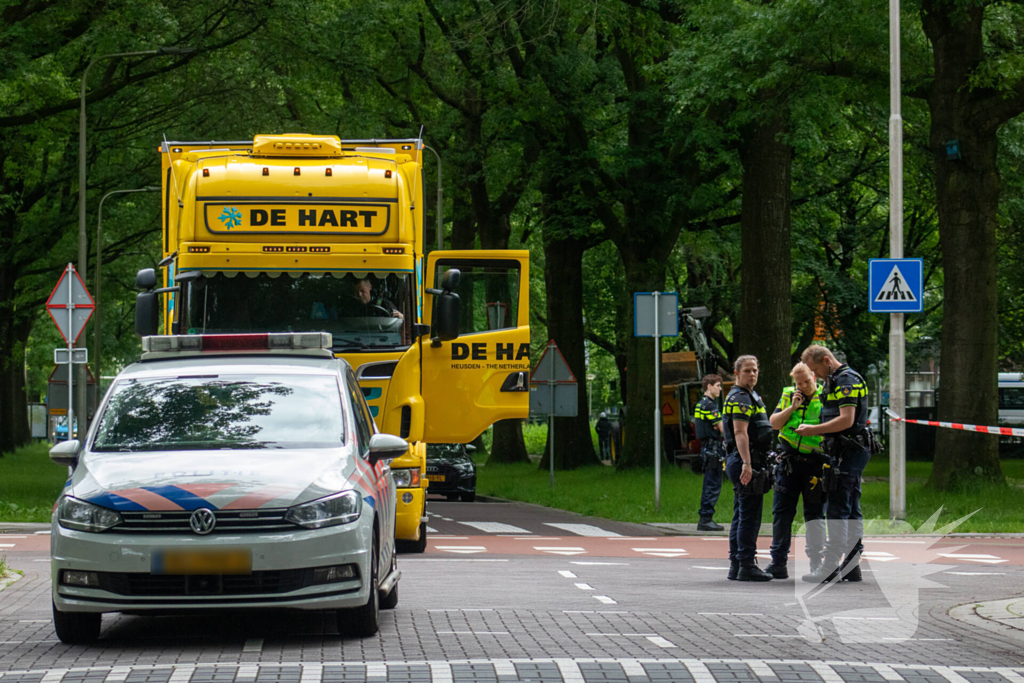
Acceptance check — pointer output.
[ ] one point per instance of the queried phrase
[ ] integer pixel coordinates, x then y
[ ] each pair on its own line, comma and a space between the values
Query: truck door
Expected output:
484, 375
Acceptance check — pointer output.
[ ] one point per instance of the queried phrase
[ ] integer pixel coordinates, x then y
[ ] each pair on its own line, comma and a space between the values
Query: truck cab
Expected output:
304, 233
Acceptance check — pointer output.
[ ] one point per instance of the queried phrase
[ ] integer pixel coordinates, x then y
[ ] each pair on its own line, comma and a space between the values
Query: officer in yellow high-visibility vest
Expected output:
799, 472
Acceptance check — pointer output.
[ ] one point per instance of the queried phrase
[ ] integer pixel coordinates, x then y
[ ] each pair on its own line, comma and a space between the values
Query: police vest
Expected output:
705, 417
845, 387
807, 414
747, 406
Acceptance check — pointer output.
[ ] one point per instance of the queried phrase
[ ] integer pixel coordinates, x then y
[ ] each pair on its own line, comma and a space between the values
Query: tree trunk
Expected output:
968, 198
14, 426
766, 314
563, 279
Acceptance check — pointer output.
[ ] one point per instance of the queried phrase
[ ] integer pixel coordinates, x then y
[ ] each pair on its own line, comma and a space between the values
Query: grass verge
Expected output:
629, 496
29, 484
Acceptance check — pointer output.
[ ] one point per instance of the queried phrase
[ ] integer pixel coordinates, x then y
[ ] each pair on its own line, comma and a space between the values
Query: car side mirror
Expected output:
387, 447
66, 452
147, 314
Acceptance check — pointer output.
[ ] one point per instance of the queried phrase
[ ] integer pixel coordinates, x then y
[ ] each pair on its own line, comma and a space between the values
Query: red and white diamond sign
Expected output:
71, 295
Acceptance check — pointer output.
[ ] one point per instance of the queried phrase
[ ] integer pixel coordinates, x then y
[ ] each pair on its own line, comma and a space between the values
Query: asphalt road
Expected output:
509, 592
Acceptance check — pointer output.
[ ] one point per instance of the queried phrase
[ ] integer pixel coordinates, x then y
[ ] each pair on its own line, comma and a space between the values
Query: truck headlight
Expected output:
406, 478
81, 516
339, 508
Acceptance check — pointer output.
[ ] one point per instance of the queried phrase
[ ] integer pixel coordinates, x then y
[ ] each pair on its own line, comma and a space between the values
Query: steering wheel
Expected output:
386, 313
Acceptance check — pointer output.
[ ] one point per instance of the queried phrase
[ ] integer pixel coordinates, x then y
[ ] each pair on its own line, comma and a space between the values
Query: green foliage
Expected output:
29, 484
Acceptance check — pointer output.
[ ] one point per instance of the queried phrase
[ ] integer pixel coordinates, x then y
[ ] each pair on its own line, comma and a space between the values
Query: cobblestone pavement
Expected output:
556, 616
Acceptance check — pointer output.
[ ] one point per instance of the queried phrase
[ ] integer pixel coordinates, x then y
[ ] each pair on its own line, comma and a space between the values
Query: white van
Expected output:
1011, 398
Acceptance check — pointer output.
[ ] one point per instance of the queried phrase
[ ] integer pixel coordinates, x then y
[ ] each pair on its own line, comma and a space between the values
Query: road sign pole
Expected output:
897, 339
551, 426
71, 351
657, 404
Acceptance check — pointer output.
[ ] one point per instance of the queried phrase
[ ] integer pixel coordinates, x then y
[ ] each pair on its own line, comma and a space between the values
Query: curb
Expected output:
23, 527
989, 615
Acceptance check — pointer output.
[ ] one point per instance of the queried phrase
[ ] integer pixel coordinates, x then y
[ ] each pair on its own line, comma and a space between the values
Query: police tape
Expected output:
1002, 431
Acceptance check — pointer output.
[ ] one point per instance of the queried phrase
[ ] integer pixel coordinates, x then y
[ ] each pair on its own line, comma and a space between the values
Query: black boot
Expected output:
823, 574
852, 573
749, 571
734, 568
778, 571
708, 524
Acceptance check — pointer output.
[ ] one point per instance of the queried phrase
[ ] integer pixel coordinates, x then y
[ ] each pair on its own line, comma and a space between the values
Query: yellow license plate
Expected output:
202, 562
435, 477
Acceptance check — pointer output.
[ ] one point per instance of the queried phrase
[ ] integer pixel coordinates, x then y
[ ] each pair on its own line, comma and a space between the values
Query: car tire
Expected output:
452, 496
390, 601
414, 546
77, 628
469, 497
364, 622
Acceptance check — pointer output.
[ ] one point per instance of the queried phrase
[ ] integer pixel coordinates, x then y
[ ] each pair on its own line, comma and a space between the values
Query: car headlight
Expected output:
81, 516
340, 508
406, 478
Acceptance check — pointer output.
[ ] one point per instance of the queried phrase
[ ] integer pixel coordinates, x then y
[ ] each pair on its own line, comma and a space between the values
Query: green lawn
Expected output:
29, 484
629, 496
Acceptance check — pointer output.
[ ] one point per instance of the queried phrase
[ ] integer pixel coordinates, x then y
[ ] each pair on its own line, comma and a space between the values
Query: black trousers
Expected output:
801, 478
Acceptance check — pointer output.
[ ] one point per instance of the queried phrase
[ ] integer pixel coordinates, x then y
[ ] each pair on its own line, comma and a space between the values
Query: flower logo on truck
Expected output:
230, 217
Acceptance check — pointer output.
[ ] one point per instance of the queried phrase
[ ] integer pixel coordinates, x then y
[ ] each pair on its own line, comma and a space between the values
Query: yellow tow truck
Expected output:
296, 232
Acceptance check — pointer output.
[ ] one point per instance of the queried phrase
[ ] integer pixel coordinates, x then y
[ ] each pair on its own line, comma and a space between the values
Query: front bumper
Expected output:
409, 512
282, 565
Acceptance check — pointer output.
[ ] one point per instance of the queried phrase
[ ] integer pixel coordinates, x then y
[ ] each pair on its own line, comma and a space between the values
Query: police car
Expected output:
224, 472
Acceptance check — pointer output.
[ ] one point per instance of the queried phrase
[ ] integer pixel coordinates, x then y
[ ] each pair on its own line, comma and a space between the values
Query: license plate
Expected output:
435, 477
202, 562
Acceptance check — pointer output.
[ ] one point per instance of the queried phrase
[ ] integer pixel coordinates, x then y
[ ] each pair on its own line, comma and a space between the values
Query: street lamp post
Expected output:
97, 325
897, 336
83, 240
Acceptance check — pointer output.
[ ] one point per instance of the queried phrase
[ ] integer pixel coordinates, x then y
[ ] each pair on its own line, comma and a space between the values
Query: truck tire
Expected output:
414, 546
77, 628
363, 622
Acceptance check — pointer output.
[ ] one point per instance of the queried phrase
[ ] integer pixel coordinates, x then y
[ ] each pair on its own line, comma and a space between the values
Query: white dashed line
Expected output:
560, 550
717, 569
584, 586
431, 530
604, 599
984, 559
977, 573
496, 528
6, 545
582, 529
602, 564
661, 642
461, 549
565, 573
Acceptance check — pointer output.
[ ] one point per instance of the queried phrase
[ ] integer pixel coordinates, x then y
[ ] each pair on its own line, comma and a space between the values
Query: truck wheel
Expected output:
414, 546
77, 628
469, 497
363, 622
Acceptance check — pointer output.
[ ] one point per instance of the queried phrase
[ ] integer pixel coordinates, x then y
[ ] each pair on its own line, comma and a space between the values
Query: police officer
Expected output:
748, 439
844, 417
708, 423
799, 472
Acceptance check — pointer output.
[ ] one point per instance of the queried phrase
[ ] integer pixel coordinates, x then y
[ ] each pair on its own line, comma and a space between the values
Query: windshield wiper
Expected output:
344, 343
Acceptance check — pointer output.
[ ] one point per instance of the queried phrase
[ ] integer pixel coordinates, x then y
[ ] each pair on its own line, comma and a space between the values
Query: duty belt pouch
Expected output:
760, 484
829, 479
874, 445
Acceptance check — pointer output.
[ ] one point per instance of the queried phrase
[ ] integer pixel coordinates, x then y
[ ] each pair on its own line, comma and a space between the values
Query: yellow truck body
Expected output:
313, 233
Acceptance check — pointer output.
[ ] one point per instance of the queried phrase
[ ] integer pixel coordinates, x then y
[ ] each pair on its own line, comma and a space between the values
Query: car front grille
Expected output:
228, 522
162, 585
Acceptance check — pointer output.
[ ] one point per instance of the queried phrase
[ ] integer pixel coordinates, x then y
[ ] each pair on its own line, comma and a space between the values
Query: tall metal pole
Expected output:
440, 201
551, 421
657, 403
69, 272
897, 338
97, 327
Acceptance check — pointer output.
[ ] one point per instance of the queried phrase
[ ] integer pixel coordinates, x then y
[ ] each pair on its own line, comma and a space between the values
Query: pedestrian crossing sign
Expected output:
895, 285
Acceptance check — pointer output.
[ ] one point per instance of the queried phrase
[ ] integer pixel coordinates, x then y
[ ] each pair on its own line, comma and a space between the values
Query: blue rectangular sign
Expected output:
895, 285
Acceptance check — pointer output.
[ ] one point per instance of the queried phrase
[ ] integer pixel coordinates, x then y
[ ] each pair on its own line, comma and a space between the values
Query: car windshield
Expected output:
222, 412
371, 310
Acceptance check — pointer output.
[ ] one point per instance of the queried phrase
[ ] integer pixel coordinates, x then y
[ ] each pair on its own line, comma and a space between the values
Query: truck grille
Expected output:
228, 522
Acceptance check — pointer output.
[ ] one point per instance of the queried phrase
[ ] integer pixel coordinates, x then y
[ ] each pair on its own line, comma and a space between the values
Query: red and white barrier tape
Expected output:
1002, 431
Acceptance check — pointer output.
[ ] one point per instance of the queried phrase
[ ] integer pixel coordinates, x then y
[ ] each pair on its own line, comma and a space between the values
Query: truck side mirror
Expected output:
446, 311
147, 314
145, 279
450, 279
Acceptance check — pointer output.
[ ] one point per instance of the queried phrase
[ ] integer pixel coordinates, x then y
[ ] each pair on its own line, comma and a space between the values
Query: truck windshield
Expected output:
361, 310
225, 412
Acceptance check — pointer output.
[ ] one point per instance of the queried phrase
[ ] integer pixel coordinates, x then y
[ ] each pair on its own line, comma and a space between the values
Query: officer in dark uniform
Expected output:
844, 418
799, 472
708, 423
748, 439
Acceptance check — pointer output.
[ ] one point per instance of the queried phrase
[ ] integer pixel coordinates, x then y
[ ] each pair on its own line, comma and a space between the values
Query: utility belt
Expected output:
840, 445
763, 464
713, 449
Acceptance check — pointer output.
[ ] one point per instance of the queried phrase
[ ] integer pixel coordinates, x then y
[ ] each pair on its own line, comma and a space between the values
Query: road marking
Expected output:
661, 642
463, 609
253, 645
451, 538
46, 560
118, 674
717, 569
949, 674
977, 573
42, 533
440, 672
602, 564
604, 599
887, 672
431, 530
591, 611
536, 538
878, 540
566, 574
985, 559
312, 673
54, 676
182, 674
6, 536
461, 549
34, 621
662, 552
632, 668
762, 670
584, 586
624, 635
699, 671
582, 529
879, 556
827, 673
504, 667
6, 545
765, 635
247, 672
376, 670
570, 671
636, 538
472, 633
496, 527
560, 550
1009, 674
868, 618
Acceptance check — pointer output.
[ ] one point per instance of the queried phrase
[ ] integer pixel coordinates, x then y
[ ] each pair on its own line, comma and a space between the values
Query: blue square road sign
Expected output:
895, 285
